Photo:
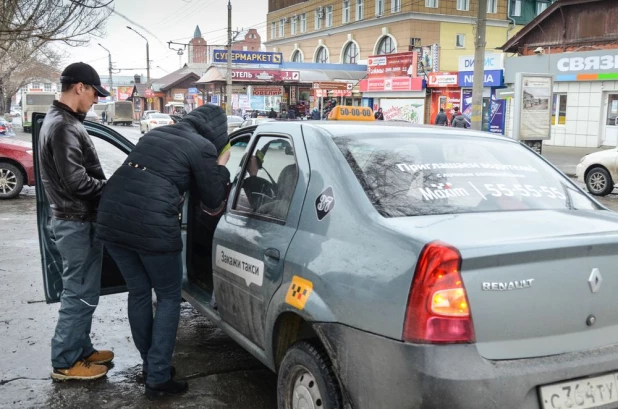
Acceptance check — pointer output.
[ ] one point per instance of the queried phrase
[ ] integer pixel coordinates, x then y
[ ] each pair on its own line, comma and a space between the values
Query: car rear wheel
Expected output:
306, 379
599, 182
11, 181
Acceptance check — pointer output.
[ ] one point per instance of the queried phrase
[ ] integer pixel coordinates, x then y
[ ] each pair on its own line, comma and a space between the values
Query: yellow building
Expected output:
349, 31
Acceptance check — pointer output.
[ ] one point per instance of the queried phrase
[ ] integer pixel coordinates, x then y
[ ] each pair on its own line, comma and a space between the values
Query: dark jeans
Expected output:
154, 337
82, 256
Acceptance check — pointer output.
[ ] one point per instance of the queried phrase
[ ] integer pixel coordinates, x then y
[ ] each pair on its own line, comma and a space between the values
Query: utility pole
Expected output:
147, 59
111, 81
228, 87
479, 66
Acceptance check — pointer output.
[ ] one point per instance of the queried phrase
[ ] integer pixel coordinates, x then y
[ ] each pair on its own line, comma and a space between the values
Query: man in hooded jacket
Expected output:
138, 222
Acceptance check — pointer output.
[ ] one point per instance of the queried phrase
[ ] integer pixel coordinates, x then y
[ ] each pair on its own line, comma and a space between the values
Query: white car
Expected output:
233, 122
599, 171
254, 121
154, 120
92, 116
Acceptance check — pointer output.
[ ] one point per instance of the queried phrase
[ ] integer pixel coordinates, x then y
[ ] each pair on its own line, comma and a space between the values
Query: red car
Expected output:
16, 166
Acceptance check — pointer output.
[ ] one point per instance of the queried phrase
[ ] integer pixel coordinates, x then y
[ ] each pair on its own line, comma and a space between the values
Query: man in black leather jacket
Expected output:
73, 181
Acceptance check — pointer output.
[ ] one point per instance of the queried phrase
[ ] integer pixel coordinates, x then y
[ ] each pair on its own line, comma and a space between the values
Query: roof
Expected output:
519, 38
179, 75
353, 129
197, 33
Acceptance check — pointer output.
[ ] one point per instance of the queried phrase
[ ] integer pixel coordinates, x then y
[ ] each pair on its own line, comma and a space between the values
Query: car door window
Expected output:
111, 158
269, 179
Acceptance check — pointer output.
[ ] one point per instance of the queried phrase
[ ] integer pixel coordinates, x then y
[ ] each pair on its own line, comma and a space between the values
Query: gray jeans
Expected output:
82, 257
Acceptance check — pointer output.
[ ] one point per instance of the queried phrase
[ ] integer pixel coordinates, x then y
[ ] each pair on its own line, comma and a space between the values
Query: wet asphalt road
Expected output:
220, 373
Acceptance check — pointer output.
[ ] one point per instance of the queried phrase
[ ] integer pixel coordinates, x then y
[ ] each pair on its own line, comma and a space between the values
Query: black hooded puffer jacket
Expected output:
140, 204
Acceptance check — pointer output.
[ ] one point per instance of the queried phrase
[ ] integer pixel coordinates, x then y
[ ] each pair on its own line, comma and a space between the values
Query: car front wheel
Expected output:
306, 379
11, 181
599, 182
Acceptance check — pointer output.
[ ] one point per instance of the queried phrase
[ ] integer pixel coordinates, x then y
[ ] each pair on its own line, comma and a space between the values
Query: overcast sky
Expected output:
162, 21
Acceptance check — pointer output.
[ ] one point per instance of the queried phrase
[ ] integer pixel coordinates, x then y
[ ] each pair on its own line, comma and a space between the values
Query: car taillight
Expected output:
438, 311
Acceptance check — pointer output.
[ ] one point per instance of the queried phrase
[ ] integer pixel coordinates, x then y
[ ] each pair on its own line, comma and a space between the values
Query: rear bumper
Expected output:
378, 372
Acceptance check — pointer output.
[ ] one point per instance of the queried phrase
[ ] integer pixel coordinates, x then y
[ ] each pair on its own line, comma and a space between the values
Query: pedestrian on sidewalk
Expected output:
138, 222
73, 181
458, 120
441, 118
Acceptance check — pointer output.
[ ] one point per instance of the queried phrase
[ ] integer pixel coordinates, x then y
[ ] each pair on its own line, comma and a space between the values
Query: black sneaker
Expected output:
169, 388
172, 373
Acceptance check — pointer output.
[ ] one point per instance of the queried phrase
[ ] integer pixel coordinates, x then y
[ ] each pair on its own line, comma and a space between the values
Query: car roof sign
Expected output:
351, 113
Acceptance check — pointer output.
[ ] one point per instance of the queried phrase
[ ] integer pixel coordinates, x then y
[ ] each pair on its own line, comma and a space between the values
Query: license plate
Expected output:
581, 394
162, 122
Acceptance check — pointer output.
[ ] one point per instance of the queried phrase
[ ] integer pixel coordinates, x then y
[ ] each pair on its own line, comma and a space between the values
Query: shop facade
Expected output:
393, 85
494, 109
445, 94
585, 95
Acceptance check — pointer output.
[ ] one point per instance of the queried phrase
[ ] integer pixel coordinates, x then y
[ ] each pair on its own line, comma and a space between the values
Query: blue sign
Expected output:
493, 78
248, 57
192, 91
214, 99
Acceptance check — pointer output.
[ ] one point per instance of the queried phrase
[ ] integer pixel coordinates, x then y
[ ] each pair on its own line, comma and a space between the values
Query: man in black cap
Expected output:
73, 181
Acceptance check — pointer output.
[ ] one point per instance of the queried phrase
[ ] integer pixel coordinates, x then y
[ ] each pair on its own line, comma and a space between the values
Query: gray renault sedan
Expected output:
388, 266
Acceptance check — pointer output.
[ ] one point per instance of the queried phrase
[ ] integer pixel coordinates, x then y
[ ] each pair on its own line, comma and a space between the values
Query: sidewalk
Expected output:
565, 158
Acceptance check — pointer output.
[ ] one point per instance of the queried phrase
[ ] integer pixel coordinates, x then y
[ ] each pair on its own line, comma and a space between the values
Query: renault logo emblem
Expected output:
595, 280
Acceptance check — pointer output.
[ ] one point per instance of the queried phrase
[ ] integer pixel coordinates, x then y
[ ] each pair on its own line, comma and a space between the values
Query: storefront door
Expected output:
611, 121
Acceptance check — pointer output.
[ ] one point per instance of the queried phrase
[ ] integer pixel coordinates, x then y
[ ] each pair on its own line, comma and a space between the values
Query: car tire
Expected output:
599, 182
306, 375
11, 180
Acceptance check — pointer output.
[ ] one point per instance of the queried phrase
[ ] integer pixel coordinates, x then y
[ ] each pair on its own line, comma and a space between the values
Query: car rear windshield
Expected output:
162, 116
411, 176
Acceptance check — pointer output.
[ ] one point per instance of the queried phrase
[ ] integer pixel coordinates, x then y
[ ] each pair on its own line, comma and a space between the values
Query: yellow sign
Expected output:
349, 113
299, 292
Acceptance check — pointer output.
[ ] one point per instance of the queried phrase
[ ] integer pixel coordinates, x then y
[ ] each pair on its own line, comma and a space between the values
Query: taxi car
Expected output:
599, 171
386, 265
154, 120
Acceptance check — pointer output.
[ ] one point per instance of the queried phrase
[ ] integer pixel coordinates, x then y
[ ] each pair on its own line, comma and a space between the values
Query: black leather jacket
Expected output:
70, 168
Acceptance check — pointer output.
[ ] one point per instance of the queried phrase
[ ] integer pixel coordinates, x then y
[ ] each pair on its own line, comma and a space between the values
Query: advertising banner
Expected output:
333, 85
392, 65
403, 109
442, 80
494, 111
497, 116
261, 91
493, 61
124, 93
491, 78
533, 107
336, 93
446, 99
248, 57
391, 84
264, 75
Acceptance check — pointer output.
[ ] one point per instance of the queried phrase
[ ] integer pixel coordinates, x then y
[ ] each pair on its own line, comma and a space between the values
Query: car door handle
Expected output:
272, 253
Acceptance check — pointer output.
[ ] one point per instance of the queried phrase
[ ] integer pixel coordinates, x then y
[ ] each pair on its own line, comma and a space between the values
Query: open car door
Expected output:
112, 149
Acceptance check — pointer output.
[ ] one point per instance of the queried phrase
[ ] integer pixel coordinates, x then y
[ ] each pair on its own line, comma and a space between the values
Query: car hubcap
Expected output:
306, 394
8, 181
598, 182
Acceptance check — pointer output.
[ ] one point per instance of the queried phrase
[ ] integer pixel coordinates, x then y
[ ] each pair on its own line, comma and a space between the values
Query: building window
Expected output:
559, 108
541, 6
386, 45
395, 6
297, 56
47, 87
460, 41
303, 23
360, 10
350, 53
516, 8
321, 56
273, 30
318, 18
36, 85
463, 5
293, 25
379, 7
281, 27
431, 4
345, 12
492, 6
329, 16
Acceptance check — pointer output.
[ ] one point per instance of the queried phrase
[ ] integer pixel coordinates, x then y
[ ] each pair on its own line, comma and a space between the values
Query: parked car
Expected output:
16, 166
154, 120
394, 266
233, 122
92, 116
149, 111
254, 121
599, 171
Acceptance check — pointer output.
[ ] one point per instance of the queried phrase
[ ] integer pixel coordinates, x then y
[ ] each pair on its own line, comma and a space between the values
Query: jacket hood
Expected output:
209, 121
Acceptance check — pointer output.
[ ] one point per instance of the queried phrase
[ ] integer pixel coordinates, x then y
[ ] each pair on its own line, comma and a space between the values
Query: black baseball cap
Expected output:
84, 73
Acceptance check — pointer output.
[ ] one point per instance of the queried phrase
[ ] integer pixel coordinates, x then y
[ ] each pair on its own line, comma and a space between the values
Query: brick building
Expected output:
198, 48
247, 40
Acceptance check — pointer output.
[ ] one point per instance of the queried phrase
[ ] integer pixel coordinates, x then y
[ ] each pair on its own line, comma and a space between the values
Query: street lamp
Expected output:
147, 58
111, 81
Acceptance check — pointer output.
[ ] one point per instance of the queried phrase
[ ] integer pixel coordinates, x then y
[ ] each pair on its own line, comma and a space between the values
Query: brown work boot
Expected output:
82, 370
100, 357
